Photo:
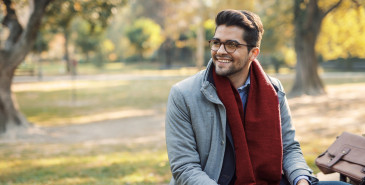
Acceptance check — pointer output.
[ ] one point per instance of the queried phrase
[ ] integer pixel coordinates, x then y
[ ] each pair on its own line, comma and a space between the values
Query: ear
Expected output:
254, 52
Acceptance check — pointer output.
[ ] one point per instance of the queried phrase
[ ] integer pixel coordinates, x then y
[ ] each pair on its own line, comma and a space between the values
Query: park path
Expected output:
103, 77
141, 129
161, 76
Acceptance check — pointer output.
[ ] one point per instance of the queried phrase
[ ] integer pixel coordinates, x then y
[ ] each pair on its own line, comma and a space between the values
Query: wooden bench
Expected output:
25, 71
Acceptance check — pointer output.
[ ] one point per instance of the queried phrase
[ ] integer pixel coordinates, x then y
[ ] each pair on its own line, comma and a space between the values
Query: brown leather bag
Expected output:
345, 156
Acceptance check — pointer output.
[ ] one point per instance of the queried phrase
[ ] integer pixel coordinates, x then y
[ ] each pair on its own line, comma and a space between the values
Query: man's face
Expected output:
231, 65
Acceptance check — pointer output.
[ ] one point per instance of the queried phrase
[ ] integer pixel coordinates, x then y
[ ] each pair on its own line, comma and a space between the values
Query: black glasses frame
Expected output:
224, 44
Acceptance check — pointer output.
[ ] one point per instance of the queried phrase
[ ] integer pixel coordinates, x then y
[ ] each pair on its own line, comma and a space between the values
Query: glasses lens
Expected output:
214, 45
230, 47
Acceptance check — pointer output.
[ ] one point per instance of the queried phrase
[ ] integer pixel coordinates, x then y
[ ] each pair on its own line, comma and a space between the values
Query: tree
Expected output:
163, 13
61, 14
88, 41
56, 23
17, 45
145, 36
308, 17
276, 16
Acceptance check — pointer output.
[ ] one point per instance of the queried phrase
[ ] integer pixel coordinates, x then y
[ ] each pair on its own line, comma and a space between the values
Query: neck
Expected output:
239, 79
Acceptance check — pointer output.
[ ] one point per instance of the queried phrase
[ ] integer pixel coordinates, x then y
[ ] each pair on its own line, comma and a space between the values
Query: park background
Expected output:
90, 92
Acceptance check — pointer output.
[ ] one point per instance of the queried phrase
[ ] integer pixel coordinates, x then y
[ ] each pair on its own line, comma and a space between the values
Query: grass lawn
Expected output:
63, 102
61, 164
50, 103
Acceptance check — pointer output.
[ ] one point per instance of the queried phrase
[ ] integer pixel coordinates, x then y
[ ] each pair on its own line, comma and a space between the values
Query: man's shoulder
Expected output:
276, 83
188, 88
194, 81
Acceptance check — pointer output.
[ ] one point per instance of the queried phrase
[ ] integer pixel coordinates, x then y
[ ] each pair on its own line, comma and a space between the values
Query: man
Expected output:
230, 123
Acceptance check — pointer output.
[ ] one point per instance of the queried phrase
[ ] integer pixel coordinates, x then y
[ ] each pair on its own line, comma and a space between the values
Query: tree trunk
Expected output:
200, 46
10, 117
66, 57
307, 20
200, 37
17, 46
87, 54
307, 80
168, 50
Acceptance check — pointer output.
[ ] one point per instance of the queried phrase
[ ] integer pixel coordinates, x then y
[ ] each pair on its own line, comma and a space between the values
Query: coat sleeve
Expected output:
181, 145
294, 164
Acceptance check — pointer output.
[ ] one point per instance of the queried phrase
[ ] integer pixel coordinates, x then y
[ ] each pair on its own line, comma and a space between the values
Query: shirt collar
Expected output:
248, 81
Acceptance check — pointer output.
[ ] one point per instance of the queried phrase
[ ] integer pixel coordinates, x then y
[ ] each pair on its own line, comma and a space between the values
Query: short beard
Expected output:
228, 72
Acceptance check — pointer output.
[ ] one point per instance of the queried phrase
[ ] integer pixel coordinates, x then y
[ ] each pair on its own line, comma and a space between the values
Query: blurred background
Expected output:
84, 84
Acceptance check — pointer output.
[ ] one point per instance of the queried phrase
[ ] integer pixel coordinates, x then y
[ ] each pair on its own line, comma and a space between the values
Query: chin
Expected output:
222, 72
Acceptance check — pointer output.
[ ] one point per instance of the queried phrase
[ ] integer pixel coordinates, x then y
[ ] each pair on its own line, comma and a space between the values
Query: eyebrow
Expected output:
226, 40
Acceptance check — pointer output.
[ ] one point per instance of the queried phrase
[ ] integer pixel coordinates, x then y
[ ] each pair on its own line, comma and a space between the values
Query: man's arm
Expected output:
294, 164
302, 182
181, 145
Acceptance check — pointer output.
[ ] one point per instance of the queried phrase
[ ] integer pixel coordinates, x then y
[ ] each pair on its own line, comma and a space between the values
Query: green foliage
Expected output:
145, 35
209, 27
41, 43
88, 37
141, 28
90, 41
155, 10
96, 13
91, 19
190, 35
277, 42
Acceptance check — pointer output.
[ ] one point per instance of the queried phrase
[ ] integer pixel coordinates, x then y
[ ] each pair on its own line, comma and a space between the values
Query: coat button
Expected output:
222, 142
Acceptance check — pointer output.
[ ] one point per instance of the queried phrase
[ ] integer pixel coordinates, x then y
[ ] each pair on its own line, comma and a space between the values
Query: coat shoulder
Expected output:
190, 83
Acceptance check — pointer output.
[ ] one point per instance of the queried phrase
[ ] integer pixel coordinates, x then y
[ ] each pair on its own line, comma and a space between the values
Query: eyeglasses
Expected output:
229, 46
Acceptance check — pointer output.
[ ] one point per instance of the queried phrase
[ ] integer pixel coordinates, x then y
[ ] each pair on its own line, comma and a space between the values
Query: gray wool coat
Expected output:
196, 133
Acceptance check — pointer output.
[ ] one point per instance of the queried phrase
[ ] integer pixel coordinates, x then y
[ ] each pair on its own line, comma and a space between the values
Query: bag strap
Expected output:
339, 156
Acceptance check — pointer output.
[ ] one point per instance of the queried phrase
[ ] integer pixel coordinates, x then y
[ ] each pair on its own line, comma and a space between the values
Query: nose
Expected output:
221, 49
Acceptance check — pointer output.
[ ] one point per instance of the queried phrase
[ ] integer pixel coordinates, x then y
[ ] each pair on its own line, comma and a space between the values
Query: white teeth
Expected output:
224, 61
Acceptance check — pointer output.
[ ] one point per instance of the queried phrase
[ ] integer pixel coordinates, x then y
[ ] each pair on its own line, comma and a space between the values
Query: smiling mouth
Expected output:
224, 61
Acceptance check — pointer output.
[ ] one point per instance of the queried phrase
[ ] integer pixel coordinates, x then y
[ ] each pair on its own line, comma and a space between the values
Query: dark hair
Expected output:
248, 21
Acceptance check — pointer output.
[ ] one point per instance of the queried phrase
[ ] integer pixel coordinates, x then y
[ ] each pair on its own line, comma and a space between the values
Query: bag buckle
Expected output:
339, 156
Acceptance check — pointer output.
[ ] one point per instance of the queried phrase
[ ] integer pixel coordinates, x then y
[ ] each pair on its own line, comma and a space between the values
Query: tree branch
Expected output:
357, 3
333, 7
28, 36
11, 21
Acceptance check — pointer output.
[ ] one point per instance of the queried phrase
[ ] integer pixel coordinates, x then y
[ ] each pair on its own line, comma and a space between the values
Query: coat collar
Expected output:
208, 76
208, 87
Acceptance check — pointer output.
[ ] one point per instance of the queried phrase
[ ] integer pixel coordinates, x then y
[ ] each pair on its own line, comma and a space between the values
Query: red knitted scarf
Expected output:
256, 134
